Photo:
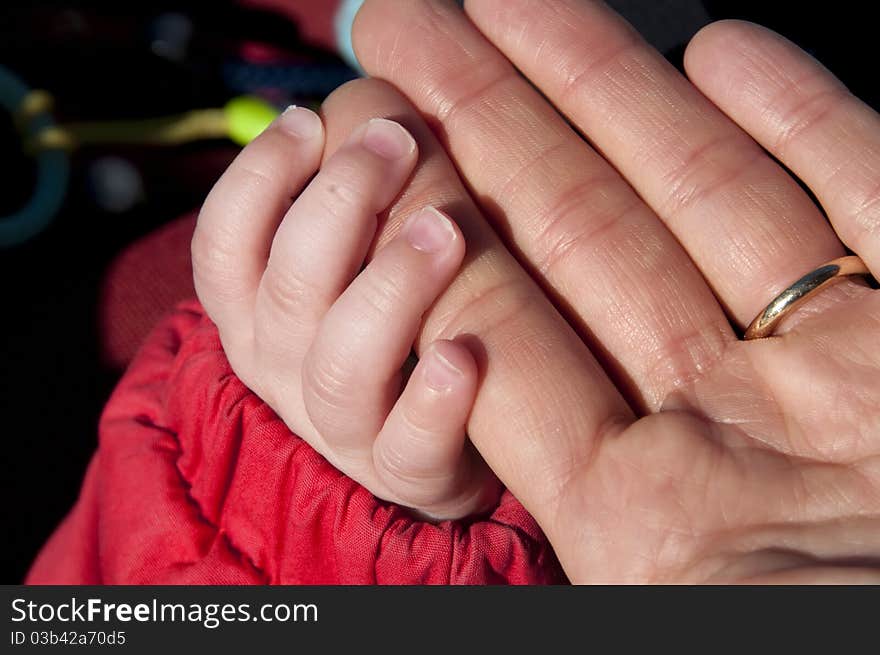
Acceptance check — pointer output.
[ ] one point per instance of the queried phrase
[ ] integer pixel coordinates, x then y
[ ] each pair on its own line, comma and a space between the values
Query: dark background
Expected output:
96, 60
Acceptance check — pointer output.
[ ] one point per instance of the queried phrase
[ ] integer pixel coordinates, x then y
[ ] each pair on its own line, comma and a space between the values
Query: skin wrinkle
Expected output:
767, 535
759, 245
446, 317
400, 468
684, 195
662, 136
743, 258
561, 240
806, 114
288, 293
513, 299
213, 253
450, 108
507, 187
210, 260
656, 351
785, 86
758, 256
772, 64
494, 120
666, 282
865, 214
667, 372
579, 84
822, 149
790, 403
435, 16
656, 481
809, 491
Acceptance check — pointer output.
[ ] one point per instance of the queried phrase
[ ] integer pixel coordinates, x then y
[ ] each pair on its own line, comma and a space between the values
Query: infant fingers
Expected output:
351, 380
321, 243
351, 374
420, 453
325, 351
238, 218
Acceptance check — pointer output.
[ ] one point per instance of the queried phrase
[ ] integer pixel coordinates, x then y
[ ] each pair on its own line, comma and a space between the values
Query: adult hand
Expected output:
756, 460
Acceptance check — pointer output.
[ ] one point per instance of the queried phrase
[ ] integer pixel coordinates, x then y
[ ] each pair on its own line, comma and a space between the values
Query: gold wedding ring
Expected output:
809, 284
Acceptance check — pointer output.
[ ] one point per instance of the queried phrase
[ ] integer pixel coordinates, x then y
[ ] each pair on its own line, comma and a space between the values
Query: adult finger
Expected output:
801, 113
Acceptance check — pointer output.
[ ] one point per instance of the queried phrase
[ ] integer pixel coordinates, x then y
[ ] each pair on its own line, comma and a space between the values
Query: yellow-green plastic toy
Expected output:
246, 117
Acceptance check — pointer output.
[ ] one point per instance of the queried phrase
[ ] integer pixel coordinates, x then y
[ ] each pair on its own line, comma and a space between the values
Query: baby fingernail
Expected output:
429, 230
388, 139
300, 122
440, 374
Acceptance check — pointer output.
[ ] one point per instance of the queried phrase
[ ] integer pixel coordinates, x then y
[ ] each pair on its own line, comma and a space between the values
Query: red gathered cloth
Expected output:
197, 481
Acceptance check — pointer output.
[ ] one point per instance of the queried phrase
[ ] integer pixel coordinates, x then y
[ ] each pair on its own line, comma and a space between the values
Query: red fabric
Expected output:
142, 284
196, 480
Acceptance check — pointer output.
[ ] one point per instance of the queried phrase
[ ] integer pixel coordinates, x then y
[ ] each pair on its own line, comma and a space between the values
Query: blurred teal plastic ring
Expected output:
53, 173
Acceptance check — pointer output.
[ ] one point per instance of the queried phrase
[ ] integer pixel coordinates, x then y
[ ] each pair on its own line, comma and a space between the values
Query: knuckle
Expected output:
706, 171
416, 483
257, 176
288, 294
476, 87
382, 295
327, 388
208, 251
565, 229
802, 113
395, 466
420, 430
215, 267
245, 187
865, 212
497, 305
582, 74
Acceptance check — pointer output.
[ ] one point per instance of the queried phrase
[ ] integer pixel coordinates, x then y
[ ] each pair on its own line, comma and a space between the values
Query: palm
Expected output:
737, 479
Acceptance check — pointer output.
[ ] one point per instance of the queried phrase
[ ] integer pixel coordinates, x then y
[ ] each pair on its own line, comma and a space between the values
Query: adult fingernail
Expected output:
440, 373
388, 139
429, 231
300, 122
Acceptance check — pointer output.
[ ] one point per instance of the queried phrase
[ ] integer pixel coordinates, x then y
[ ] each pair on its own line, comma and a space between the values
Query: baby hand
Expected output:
323, 344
